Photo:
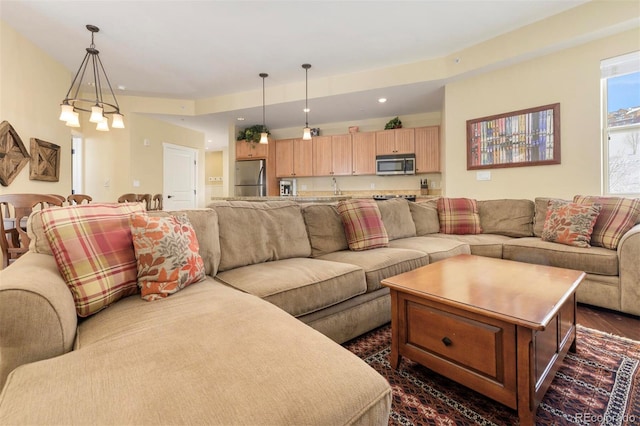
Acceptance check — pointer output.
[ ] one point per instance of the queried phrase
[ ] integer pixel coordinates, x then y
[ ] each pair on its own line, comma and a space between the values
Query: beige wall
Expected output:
31, 88
571, 77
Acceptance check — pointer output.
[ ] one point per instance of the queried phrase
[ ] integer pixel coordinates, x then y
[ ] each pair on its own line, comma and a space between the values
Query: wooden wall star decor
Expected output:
45, 161
13, 154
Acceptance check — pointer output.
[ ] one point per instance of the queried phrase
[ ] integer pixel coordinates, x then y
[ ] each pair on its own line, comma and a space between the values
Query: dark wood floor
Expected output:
609, 321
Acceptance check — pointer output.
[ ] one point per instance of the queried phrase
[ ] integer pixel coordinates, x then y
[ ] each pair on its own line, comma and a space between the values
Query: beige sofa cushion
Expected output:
593, 260
208, 355
397, 218
488, 245
380, 263
541, 214
255, 232
436, 248
513, 218
325, 229
425, 217
298, 286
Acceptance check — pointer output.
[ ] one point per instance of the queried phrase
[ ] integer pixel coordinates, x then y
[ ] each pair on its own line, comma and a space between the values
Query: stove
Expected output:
408, 197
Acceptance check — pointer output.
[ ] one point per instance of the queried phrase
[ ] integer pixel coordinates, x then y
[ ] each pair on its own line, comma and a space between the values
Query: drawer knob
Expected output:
446, 341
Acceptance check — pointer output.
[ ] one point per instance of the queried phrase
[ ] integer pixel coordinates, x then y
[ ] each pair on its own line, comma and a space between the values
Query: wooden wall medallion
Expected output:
45, 161
13, 154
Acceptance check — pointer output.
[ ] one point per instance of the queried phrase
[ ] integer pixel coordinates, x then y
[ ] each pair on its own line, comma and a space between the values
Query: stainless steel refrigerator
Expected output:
251, 178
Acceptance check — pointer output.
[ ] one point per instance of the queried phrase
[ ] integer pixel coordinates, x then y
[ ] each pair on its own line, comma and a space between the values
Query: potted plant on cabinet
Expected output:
252, 134
394, 123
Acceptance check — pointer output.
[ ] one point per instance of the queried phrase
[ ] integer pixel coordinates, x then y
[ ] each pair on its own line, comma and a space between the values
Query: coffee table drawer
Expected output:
472, 344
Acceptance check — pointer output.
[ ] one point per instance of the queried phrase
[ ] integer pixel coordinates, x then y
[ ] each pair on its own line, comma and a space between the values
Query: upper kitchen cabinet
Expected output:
294, 158
251, 151
332, 155
396, 141
427, 149
364, 153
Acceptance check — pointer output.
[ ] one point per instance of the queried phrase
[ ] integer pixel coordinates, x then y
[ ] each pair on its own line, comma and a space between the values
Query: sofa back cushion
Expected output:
512, 218
324, 227
541, 214
425, 217
397, 219
617, 216
256, 232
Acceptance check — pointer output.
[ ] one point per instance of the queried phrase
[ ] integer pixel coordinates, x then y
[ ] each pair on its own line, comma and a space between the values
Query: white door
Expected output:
179, 177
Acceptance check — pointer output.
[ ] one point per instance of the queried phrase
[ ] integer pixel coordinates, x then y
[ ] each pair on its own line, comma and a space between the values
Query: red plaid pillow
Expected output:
617, 216
168, 256
458, 216
570, 223
362, 224
93, 248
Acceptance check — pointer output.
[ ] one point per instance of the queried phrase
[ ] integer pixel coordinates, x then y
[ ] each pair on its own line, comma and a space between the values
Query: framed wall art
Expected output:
13, 154
529, 137
45, 161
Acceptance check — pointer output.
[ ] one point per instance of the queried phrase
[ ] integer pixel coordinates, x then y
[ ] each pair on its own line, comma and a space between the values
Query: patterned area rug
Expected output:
597, 385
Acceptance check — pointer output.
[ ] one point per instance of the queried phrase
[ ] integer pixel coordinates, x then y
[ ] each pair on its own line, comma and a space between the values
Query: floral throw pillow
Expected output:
570, 223
362, 224
166, 250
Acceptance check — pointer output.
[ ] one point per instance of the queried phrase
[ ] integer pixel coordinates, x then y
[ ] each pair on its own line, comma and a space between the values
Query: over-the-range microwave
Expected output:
397, 164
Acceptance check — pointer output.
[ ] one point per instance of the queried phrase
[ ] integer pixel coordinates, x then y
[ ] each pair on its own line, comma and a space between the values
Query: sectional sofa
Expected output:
255, 341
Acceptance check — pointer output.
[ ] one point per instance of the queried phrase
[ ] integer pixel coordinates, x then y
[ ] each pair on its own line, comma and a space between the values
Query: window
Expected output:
621, 124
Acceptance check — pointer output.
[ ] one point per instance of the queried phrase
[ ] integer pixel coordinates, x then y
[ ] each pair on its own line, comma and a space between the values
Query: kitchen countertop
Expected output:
299, 198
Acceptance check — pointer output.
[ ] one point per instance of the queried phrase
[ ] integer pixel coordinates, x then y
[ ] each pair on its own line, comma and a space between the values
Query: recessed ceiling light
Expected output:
122, 87
382, 100
240, 118
306, 109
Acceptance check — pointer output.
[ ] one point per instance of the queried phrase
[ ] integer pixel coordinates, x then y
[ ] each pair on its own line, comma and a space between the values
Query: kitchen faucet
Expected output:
336, 190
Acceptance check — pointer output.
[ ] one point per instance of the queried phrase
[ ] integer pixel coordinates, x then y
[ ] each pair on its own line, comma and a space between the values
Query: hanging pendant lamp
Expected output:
306, 133
99, 109
264, 136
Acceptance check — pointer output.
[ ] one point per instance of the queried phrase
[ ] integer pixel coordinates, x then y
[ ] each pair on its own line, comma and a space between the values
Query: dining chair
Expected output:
14, 241
75, 199
146, 198
157, 202
128, 198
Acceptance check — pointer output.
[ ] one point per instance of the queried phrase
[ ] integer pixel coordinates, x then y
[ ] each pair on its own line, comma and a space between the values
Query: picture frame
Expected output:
13, 154
528, 137
45, 161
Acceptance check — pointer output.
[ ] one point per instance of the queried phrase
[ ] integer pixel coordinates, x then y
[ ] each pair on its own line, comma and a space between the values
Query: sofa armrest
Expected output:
628, 255
37, 314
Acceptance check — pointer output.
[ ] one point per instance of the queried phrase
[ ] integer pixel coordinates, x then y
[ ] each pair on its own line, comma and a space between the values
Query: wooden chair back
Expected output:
74, 199
14, 241
157, 202
128, 198
146, 199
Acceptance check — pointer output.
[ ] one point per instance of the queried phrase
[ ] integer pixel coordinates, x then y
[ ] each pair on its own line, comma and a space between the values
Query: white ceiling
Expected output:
202, 49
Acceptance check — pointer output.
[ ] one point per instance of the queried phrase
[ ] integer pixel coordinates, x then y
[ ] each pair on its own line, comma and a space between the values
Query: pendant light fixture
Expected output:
264, 136
98, 108
306, 134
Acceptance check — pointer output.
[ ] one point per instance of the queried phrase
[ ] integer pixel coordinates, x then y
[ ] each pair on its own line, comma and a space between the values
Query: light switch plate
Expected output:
484, 175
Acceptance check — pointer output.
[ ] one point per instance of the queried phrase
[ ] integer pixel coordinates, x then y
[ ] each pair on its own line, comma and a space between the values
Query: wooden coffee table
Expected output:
496, 326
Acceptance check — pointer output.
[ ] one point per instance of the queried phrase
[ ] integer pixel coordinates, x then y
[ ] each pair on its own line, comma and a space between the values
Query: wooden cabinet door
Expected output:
302, 158
341, 153
322, 156
385, 142
284, 158
404, 141
249, 151
364, 153
427, 142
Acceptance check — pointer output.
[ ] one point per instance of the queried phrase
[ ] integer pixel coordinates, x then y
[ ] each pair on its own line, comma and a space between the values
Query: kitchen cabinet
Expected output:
364, 153
251, 151
396, 141
294, 158
332, 155
427, 149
